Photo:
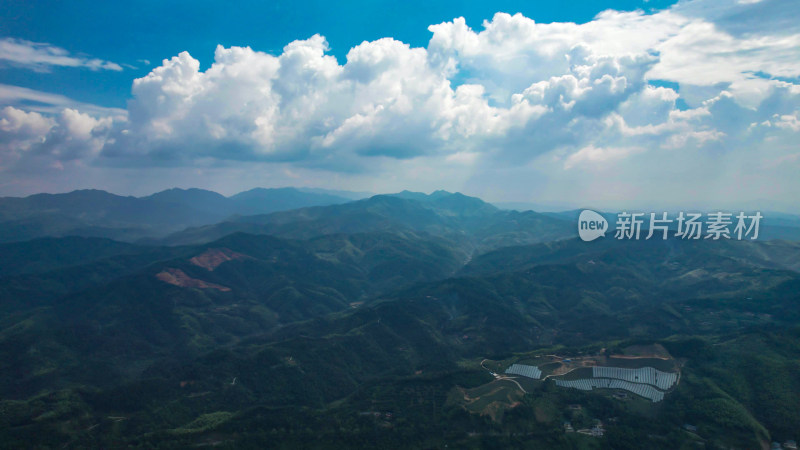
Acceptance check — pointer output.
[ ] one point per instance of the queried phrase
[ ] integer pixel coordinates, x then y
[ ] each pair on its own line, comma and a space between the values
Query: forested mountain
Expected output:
95, 213
380, 322
467, 221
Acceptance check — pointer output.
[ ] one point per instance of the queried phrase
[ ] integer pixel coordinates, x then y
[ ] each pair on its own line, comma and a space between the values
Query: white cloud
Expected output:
675, 92
16, 122
593, 155
42, 57
30, 141
527, 89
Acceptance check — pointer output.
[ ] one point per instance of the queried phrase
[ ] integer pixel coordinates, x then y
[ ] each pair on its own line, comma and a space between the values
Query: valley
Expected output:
406, 320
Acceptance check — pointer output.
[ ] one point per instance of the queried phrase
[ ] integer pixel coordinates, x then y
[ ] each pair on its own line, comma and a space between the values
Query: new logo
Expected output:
591, 225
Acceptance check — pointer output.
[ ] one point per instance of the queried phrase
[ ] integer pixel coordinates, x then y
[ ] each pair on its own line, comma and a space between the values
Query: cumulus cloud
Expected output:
637, 92
15, 122
525, 89
42, 57
30, 141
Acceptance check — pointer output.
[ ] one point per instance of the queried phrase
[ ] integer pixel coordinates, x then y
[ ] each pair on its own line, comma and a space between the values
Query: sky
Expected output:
630, 104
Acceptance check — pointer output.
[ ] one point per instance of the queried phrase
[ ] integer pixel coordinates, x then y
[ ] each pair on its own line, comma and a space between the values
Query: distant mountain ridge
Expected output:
191, 216
96, 213
461, 219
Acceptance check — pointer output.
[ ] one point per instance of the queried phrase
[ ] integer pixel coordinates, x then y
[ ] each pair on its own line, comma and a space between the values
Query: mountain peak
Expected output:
446, 202
441, 193
175, 193
79, 193
421, 196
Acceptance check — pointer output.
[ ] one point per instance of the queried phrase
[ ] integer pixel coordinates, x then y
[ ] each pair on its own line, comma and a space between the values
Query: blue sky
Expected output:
617, 104
133, 32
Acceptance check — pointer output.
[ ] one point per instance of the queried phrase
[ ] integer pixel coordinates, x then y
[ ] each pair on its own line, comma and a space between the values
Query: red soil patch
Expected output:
213, 257
178, 278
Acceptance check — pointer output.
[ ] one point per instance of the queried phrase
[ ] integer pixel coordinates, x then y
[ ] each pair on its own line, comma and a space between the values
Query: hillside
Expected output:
467, 221
318, 326
95, 213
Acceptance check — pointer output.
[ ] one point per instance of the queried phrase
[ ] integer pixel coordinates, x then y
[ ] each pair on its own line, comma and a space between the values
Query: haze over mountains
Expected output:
291, 317
184, 216
99, 213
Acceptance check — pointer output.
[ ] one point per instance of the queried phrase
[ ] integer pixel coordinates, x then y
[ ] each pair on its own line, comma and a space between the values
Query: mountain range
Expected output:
98, 213
363, 322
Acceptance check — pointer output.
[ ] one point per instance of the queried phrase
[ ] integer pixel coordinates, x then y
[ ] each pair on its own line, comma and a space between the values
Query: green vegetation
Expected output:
358, 325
